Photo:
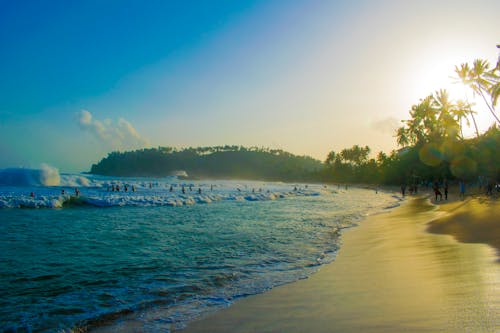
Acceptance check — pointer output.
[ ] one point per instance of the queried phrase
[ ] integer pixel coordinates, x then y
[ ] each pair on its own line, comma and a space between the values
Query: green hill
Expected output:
210, 162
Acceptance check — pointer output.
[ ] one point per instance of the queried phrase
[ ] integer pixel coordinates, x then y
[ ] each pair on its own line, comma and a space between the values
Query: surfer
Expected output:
77, 192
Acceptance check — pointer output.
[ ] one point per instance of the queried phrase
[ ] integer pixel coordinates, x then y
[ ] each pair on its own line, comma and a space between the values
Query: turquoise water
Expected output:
85, 266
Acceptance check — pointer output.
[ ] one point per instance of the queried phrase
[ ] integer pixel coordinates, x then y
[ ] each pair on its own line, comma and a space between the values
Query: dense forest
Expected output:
432, 147
211, 162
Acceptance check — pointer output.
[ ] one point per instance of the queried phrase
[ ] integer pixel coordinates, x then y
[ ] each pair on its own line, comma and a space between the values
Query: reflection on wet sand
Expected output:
390, 276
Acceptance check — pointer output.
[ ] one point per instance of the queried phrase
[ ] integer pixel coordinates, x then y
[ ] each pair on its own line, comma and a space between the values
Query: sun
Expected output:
437, 75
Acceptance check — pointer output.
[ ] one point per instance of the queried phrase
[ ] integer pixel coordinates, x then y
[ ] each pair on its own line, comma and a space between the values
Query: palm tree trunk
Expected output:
475, 124
492, 109
461, 129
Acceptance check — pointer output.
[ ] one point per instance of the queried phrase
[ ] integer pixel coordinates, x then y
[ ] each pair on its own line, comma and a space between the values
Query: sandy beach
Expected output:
391, 275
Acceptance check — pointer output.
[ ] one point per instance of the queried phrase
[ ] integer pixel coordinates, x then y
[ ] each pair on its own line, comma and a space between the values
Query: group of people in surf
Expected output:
116, 188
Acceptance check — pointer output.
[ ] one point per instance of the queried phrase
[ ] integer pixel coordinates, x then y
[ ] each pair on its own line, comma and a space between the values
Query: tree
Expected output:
330, 158
481, 81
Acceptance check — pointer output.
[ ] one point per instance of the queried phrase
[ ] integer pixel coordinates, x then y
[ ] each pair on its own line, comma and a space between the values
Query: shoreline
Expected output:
391, 275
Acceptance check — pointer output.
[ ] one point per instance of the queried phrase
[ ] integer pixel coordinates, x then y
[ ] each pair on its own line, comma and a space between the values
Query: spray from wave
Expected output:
45, 176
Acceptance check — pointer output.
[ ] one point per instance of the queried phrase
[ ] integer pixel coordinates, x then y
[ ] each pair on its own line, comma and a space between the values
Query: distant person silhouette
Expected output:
462, 189
437, 192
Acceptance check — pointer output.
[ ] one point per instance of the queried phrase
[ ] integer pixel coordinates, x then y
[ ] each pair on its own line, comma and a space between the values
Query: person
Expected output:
32, 194
489, 188
445, 189
462, 189
403, 189
77, 192
133, 188
171, 188
62, 192
183, 189
199, 190
437, 191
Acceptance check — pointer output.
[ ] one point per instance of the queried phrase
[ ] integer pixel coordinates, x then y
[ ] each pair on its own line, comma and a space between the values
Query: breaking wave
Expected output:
45, 176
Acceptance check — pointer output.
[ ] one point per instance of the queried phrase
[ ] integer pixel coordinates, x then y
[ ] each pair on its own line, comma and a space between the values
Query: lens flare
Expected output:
431, 154
452, 149
463, 167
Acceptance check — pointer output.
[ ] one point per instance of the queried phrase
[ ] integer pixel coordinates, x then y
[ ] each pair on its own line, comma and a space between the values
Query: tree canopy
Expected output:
210, 162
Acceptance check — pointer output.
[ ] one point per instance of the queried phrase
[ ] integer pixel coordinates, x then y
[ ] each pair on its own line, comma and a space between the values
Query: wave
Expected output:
45, 176
111, 199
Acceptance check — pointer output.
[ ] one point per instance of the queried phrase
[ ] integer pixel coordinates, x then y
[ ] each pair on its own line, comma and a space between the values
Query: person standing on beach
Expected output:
403, 189
437, 192
445, 189
462, 189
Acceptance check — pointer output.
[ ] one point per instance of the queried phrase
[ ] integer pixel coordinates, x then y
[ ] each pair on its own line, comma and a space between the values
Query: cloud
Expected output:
387, 125
117, 136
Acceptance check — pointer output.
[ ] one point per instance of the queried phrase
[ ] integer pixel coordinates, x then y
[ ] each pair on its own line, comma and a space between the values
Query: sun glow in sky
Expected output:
83, 78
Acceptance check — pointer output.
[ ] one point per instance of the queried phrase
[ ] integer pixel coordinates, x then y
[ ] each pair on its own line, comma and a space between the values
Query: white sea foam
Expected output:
55, 191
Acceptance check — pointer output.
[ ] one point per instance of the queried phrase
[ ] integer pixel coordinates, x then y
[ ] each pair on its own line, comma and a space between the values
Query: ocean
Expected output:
153, 254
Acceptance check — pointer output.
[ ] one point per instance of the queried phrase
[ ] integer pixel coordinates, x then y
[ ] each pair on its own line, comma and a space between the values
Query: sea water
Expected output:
157, 255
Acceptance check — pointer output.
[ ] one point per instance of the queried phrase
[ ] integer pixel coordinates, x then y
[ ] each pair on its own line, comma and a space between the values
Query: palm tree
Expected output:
402, 137
481, 80
447, 120
462, 111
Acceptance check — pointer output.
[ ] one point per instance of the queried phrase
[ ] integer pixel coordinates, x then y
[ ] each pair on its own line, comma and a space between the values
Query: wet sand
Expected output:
390, 275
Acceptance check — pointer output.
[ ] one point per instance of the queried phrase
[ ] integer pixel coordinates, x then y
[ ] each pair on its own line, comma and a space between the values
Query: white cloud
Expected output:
119, 136
387, 125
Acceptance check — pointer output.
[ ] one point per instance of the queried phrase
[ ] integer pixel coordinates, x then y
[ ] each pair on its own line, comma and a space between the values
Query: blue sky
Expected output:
82, 78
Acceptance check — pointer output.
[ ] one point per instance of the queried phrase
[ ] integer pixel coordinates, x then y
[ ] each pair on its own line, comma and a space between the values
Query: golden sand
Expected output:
391, 275
474, 220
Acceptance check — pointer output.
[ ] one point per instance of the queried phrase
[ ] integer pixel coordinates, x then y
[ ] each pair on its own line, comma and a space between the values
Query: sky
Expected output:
79, 79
